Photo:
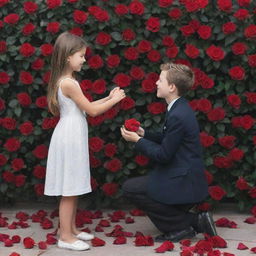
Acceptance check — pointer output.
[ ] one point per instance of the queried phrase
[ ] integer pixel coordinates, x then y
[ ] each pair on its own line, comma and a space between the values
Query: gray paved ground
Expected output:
244, 233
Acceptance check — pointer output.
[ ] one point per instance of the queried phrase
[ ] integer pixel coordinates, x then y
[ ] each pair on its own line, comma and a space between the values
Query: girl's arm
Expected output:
71, 90
106, 98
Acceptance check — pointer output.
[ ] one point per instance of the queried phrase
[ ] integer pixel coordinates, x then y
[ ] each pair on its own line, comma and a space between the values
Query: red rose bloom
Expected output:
96, 144
49, 123
239, 48
242, 184
30, 7
241, 14
111, 113
94, 121
17, 164
191, 51
20, 180
9, 123
41, 102
95, 62
94, 162
247, 122
251, 97
237, 73
3, 2
40, 151
122, 80
101, 15
250, 31
216, 192
206, 140
110, 189
76, 31
223, 162
154, 56
131, 53
12, 144
79, 17
204, 32
175, 13
156, 108
99, 86
103, 38
27, 50
132, 124
86, 85
113, 61
37, 64
187, 30
46, 49
236, 154
110, 150
215, 53
136, 7
137, 73
121, 9
144, 46
224, 5
252, 60
227, 141
204, 105
148, 85
28, 242
127, 103
229, 28
244, 3
28, 29
8, 176
24, 99
4, 78
252, 192
165, 3
216, 114
3, 47
141, 160
39, 189
39, 172
172, 52
168, 41
53, 27
153, 24
234, 100
128, 34
12, 18
52, 4
113, 165
46, 77
3, 160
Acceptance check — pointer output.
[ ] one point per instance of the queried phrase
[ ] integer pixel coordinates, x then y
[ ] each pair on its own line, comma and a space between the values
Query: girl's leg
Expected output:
75, 231
66, 211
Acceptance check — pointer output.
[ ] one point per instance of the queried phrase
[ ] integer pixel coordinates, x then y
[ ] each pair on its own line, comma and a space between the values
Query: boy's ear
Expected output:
172, 87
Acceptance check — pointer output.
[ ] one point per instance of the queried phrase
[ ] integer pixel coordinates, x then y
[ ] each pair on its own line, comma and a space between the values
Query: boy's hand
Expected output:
141, 132
129, 136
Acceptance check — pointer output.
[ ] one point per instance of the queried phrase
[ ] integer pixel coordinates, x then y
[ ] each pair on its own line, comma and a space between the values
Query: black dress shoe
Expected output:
206, 224
176, 236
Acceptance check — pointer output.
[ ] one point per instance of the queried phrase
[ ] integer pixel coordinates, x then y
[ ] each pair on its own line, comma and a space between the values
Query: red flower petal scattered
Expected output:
120, 240
165, 246
241, 246
97, 242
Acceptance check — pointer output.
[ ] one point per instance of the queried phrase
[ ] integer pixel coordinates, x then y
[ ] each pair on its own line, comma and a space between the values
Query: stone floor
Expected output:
244, 233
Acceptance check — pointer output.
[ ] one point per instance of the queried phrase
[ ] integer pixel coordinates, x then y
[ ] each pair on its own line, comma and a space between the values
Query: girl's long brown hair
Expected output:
66, 45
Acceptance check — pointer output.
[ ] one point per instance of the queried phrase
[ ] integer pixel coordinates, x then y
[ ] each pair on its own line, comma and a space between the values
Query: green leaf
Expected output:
116, 35
13, 103
18, 111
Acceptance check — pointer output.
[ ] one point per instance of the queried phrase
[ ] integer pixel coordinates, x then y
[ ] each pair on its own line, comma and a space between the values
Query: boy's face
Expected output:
163, 88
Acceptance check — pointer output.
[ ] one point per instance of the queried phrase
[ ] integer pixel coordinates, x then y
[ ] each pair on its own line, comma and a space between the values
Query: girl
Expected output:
67, 172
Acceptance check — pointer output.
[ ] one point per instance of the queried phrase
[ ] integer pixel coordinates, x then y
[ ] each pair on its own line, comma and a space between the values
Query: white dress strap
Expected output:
62, 79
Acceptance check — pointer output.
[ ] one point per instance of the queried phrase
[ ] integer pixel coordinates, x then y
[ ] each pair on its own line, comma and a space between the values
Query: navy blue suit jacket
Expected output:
178, 174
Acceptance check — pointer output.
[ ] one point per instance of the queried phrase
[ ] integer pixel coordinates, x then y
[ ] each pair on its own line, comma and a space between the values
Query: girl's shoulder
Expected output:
67, 81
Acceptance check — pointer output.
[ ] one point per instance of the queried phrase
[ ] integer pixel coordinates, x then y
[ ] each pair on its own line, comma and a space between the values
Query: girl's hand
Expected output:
118, 95
141, 131
112, 92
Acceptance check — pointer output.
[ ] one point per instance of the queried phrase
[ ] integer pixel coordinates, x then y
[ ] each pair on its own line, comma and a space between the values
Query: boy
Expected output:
177, 182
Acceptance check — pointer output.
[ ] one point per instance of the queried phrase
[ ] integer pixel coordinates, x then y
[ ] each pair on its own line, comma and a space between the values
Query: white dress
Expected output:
68, 169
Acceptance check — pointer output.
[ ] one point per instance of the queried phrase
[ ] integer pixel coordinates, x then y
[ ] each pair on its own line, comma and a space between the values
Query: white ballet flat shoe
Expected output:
85, 236
76, 246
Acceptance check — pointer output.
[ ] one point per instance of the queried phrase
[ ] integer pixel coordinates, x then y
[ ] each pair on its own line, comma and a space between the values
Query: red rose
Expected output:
137, 73
227, 141
113, 61
28, 29
46, 49
250, 31
168, 41
121, 9
234, 100
95, 62
94, 162
101, 15
247, 122
204, 32
37, 64
94, 121
8, 176
154, 56
79, 17
187, 30
99, 86
96, 144
53, 3
113, 165
216, 192
172, 52
131, 53
206, 140
110, 150
16, 239
86, 85
53, 27
3, 2
254, 140
3, 160
215, 53
76, 31
136, 7
223, 162
224, 5
39, 172
241, 14
153, 24
251, 97
229, 28
141, 160
242, 184
3, 47
244, 3
209, 177
110, 189
132, 124
175, 13
30, 7
28, 242
252, 192
191, 51
9, 123
236, 154
12, 18
252, 60
41, 102
216, 114
103, 38
40, 151
237, 73
8, 243
127, 103
24, 99
4, 78
49, 123
46, 77
27, 50
17, 164
165, 3
239, 48
203, 246
122, 80
128, 34
42, 245
111, 113
144, 46
148, 85
204, 105
26, 128
20, 180
12, 144
156, 108
195, 24
2, 104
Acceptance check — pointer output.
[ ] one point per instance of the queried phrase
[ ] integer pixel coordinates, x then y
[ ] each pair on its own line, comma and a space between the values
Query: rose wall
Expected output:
128, 40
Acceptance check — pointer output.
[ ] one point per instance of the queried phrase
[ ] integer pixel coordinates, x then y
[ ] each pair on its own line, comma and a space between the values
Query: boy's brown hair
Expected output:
180, 75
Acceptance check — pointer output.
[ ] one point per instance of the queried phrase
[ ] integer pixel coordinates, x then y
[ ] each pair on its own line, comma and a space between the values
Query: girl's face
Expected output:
77, 60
